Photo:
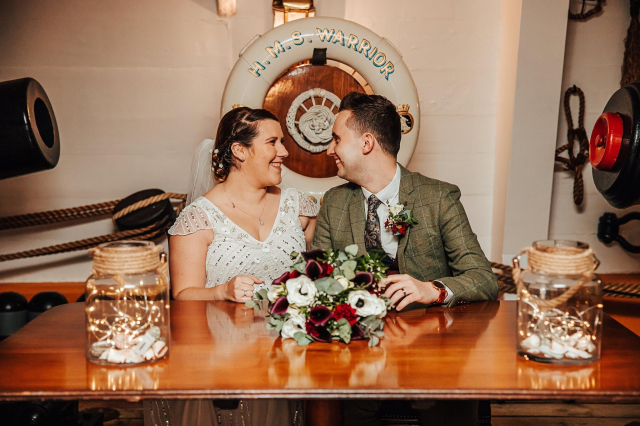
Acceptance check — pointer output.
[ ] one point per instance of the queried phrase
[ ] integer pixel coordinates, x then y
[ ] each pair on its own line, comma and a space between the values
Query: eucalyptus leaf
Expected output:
262, 294
322, 284
346, 337
348, 273
250, 304
342, 257
367, 321
334, 287
303, 339
299, 267
352, 249
342, 321
351, 264
279, 326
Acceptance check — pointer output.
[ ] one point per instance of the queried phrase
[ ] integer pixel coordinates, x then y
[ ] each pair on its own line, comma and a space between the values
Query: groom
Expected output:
437, 261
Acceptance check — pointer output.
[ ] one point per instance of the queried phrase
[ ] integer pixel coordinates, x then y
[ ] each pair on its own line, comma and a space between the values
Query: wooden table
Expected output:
223, 350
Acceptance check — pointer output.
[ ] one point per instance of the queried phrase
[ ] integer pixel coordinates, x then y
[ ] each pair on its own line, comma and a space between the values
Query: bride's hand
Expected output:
240, 288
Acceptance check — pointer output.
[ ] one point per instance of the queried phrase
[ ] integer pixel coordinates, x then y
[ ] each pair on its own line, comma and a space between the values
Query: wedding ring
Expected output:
404, 292
245, 293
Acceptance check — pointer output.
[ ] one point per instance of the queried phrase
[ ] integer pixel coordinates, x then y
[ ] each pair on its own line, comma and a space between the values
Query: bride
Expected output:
233, 240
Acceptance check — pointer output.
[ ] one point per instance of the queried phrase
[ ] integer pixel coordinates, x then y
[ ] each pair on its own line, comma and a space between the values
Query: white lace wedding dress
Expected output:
234, 252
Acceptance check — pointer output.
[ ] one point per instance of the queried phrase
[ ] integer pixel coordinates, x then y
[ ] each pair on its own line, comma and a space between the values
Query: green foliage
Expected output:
303, 339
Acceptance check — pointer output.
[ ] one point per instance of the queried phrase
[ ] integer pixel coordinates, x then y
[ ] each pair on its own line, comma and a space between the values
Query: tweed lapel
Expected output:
406, 195
357, 219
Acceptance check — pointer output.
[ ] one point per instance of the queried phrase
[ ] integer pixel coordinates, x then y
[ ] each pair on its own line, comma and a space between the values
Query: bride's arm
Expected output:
309, 227
187, 260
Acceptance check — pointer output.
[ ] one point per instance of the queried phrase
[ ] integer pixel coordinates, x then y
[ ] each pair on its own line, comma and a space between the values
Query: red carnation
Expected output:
386, 223
327, 269
347, 312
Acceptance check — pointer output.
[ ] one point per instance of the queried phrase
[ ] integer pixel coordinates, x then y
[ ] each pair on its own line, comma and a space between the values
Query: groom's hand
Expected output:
405, 289
240, 288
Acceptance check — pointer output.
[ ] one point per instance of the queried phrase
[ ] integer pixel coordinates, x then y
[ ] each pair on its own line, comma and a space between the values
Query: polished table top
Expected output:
224, 350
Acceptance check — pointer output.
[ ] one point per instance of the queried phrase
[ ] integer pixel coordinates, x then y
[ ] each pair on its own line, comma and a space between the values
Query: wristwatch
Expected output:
442, 296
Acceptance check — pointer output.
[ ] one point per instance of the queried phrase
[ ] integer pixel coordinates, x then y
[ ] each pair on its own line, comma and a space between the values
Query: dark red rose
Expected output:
319, 334
294, 274
280, 306
347, 312
319, 315
386, 223
356, 332
363, 278
282, 278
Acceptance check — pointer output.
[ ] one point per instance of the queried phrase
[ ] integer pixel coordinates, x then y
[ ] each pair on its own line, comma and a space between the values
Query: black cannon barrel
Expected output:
29, 139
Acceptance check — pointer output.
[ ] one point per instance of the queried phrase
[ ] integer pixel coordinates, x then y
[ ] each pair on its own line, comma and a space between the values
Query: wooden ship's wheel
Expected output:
301, 70
306, 100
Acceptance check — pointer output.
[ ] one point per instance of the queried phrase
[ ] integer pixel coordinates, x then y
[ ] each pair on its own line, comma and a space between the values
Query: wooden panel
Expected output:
286, 89
224, 350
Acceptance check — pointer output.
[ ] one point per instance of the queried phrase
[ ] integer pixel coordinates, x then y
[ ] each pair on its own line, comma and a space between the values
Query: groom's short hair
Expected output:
377, 115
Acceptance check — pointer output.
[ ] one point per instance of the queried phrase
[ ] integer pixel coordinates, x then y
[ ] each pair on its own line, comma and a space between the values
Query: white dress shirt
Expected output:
390, 195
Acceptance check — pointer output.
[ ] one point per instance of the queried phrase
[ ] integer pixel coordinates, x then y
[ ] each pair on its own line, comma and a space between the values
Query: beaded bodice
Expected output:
234, 252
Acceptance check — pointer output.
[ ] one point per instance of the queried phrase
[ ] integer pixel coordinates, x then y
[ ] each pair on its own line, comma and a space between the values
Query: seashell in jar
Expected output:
149, 355
558, 349
116, 356
531, 342
158, 347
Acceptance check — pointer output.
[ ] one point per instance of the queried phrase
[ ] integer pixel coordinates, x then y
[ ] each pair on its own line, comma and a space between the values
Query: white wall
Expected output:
137, 85
593, 61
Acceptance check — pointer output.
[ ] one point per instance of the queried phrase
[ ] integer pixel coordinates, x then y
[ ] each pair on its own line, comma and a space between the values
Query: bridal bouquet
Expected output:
328, 295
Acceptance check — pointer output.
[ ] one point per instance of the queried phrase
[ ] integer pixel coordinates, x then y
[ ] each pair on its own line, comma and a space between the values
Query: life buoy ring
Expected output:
268, 56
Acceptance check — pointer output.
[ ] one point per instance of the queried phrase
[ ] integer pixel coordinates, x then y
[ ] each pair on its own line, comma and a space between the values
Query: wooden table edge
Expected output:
342, 394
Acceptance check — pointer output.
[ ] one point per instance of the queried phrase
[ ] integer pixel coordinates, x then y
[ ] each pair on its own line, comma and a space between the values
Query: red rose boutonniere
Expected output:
400, 219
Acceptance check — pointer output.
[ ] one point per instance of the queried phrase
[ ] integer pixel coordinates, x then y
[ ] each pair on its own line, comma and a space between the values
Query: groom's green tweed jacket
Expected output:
441, 246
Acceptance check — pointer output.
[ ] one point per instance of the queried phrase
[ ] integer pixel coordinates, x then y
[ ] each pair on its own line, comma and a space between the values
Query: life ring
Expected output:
268, 56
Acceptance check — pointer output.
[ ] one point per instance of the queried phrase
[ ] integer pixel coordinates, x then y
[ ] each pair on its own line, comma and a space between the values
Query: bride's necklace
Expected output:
248, 214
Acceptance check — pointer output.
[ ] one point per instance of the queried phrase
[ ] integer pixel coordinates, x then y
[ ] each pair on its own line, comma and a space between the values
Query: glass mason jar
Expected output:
559, 303
127, 304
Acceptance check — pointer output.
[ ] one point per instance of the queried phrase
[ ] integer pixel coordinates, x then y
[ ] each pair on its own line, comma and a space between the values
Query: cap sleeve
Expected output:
308, 207
192, 219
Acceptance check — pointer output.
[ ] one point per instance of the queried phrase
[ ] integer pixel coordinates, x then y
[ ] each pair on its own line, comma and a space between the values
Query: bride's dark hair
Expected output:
238, 125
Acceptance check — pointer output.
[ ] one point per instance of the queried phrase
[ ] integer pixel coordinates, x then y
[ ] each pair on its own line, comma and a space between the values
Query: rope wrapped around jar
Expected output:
557, 260
128, 260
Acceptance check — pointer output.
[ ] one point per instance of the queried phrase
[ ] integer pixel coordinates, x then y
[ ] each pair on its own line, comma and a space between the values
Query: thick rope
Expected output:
557, 260
128, 260
147, 202
56, 216
575, 162
92, 210
631, 60
583, 16
125, 259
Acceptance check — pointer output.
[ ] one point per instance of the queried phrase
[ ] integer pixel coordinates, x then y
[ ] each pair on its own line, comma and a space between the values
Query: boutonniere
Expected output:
400, 219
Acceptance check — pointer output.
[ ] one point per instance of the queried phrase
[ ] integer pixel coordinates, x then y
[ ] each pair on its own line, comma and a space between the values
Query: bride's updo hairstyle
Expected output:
238, 125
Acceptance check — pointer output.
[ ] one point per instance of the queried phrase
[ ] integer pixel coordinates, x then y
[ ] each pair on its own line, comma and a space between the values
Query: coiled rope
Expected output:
83, 212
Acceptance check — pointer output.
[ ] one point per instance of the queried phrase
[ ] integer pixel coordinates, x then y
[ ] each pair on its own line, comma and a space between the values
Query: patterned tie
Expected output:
372, 227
